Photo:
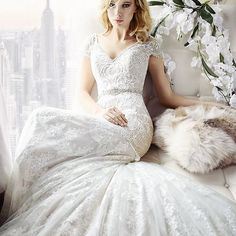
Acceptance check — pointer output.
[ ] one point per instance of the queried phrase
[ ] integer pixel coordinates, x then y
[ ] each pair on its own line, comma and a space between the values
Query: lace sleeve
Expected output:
153, 48
86, 46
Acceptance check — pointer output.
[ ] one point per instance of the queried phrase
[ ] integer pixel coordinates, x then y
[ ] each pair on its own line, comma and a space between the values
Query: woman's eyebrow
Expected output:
112, 1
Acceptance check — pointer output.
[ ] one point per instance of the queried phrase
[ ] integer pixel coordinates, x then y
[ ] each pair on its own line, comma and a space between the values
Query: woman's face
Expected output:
120, 12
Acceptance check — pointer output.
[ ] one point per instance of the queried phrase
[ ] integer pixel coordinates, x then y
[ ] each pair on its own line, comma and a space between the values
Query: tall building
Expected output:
47, 43
49, 84
32, 71
61, 65
4, 69
27, 67
9, 99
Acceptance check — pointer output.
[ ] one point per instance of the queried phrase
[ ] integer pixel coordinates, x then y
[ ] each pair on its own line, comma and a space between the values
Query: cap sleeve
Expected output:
85, 49
153, 48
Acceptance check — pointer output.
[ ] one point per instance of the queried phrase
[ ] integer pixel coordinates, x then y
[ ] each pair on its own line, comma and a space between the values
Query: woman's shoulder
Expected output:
90, 38
152, 46
151, 43
87, 43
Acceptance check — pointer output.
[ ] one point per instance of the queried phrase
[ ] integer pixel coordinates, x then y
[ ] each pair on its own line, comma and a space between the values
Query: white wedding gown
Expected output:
77, 175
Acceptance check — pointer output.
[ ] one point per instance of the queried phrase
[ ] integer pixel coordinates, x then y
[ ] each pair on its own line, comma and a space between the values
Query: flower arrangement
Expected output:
202, 25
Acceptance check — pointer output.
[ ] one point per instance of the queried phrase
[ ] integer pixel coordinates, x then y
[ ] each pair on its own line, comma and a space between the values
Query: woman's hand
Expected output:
114, 115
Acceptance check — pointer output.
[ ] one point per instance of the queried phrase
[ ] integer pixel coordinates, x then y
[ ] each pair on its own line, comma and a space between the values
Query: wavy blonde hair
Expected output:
140, 25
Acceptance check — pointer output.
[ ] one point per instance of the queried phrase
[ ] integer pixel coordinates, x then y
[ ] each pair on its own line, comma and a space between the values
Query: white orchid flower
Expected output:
216, 94
213, 53
214, 48
166, 10
218, 20
196, 62
216, 83
170, 2
163, 30
193, 45
169, 63
180, 17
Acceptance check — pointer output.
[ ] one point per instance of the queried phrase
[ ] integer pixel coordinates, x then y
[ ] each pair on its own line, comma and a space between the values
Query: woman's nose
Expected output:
118, 11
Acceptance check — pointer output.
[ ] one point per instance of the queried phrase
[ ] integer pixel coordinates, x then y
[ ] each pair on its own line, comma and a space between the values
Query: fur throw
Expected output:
200, 138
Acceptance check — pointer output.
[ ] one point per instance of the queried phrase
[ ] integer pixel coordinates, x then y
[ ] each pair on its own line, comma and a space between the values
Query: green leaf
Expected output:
213, 31
158, 24
195, 30
154, 31
155, 3
206, 16
222, 59
186, 44
197, 2
208, 69
178, 2
210, 9
234, 63
219, 88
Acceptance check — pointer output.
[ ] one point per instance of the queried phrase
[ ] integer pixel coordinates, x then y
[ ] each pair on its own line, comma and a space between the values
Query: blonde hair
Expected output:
140, 25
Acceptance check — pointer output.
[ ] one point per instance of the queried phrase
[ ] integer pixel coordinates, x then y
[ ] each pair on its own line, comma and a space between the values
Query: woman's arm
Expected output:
162, 86
84, 87
86, 102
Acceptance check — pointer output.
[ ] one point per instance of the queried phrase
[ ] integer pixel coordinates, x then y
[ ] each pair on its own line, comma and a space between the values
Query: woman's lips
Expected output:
118, 21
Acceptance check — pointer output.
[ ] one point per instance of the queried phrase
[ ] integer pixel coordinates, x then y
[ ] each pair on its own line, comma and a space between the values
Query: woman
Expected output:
81, 174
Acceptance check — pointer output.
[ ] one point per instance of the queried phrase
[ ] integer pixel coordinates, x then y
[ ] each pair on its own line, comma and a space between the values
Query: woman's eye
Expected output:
111, 4
126, 5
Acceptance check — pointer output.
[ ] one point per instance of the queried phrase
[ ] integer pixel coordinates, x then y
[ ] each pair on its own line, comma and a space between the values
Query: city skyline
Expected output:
32, 70
26, 14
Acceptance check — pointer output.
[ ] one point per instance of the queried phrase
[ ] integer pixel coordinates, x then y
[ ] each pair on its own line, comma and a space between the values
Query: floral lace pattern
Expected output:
78, 175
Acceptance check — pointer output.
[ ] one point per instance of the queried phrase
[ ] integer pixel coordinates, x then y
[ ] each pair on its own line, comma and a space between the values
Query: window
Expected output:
33, 64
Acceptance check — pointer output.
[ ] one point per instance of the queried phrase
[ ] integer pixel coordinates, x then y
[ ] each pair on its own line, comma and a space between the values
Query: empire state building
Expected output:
49, 88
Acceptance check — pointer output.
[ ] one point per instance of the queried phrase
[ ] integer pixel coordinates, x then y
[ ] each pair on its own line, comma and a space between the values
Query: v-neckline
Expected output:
119, 54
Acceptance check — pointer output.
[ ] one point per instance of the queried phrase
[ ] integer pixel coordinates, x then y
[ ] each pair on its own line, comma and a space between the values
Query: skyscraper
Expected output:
49, 84
4, 69
47, 43
6, 87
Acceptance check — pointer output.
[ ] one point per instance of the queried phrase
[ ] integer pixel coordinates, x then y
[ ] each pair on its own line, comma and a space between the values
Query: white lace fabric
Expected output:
77, 174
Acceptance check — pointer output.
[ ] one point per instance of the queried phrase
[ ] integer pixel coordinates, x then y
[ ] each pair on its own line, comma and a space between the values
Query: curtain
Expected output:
5, 154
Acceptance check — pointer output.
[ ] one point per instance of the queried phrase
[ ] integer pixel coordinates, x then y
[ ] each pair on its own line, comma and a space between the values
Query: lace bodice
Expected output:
126, 72
120, 83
